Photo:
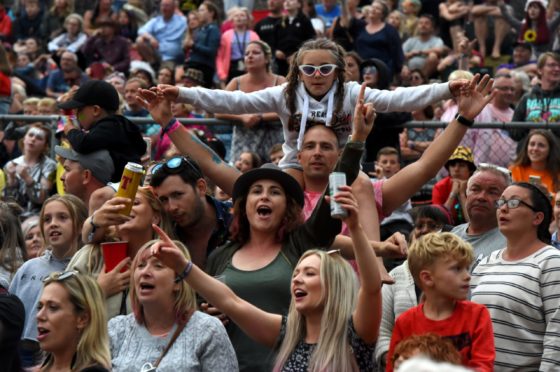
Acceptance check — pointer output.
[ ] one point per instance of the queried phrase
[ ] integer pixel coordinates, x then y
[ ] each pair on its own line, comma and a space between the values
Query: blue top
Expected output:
169, 35
328, 17
554, 240
57, 83
384, 44
28, 286
206, 44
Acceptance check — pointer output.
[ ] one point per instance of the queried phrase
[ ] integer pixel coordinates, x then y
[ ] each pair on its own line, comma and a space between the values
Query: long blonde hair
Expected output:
86, 296
339, 289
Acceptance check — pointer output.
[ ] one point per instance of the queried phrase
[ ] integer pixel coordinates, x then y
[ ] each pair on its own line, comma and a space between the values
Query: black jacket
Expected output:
115, 133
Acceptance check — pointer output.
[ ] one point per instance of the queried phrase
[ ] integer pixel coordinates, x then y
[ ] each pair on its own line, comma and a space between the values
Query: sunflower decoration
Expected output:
530, 36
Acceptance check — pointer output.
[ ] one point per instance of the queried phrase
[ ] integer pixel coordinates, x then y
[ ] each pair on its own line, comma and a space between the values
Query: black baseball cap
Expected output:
94, 92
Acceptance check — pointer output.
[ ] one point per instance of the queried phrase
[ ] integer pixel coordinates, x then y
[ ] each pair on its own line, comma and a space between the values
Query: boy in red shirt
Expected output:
439, 263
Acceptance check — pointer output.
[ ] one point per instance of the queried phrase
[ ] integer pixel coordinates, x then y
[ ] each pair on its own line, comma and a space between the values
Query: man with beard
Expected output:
484, 188
201, 222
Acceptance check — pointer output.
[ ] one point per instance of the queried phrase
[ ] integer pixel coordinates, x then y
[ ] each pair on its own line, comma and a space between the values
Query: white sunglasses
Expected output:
324, 70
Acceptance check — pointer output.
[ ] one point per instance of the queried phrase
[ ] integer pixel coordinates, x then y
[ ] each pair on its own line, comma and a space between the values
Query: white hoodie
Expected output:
273, 100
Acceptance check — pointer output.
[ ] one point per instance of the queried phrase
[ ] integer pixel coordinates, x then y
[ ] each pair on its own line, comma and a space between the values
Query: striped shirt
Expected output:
523, 300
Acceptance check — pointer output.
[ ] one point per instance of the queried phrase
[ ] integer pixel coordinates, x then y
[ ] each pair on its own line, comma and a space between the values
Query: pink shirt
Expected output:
311, 199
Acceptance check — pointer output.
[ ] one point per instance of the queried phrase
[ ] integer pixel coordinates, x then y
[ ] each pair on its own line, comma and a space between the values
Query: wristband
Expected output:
93, 228
463, 120
185, 272
171, 127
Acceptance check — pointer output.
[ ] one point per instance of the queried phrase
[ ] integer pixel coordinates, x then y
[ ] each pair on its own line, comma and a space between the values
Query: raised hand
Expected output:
167, 252
170, 92
364, 116
155, 101
108, 214
474, 96
348, 201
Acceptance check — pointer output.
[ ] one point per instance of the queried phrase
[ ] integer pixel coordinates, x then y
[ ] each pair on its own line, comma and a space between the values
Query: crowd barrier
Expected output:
490, 142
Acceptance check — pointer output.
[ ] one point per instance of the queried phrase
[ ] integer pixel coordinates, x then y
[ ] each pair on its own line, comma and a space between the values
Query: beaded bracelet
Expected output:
185, 272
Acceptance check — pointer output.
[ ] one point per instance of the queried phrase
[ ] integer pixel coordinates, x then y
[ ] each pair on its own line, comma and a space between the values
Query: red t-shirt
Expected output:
469, 328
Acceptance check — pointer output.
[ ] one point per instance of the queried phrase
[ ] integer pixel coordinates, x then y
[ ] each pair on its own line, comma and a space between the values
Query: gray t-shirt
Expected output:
203, 345
27, 284
414, 44
483, 244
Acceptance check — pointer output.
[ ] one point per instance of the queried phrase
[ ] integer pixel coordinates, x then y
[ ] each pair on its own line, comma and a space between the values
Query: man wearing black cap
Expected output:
85, 173
521, 59
95, 103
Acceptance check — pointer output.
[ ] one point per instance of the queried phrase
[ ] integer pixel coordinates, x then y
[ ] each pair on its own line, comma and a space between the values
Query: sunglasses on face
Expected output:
513, 203
324, 70
176, 165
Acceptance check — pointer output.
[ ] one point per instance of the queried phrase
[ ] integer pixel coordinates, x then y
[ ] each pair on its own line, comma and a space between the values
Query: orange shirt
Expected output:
522, 173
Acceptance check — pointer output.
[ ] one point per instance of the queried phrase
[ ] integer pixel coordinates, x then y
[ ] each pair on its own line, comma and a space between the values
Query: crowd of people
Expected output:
228, 257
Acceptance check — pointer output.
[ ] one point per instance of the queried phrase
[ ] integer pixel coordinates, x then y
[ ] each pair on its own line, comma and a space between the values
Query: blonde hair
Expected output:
86, 296
460, 74
95, 255
339, 289
31, 101
426, 250
185, 298
47, 102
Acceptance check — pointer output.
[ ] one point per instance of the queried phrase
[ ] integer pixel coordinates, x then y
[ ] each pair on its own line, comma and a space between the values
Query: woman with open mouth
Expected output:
72, 324
165, 332
330, 326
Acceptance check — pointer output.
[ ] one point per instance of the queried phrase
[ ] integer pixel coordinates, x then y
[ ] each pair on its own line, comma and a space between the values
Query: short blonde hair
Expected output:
425, 251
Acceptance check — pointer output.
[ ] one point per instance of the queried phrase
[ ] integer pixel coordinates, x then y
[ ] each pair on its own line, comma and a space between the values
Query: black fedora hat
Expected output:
268, 171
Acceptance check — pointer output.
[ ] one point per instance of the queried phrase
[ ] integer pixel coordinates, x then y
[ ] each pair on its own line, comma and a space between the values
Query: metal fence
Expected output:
490, 142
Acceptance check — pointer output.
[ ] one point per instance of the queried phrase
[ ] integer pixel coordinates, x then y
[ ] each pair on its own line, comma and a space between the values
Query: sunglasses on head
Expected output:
59, 277
324, 70
176, 165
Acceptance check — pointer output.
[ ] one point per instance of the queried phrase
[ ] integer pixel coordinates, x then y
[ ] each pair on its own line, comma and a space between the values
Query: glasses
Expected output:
324, 70
176, 165
59, 277
369, 70
513, 203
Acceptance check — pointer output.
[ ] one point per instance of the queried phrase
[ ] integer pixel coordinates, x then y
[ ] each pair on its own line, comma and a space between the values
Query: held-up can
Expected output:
336, 179
130, 181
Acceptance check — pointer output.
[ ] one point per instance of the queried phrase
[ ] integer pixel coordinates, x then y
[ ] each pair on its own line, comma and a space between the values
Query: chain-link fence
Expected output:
490, 142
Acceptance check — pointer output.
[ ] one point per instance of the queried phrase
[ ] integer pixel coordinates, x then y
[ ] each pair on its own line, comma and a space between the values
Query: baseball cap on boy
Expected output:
93, 92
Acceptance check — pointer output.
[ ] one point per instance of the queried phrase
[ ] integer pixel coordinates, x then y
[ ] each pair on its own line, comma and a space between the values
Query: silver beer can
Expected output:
336, 179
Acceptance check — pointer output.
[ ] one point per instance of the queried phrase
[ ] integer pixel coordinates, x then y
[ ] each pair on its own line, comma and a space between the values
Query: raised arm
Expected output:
399, 188
367, 315
187, 143
263, 327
